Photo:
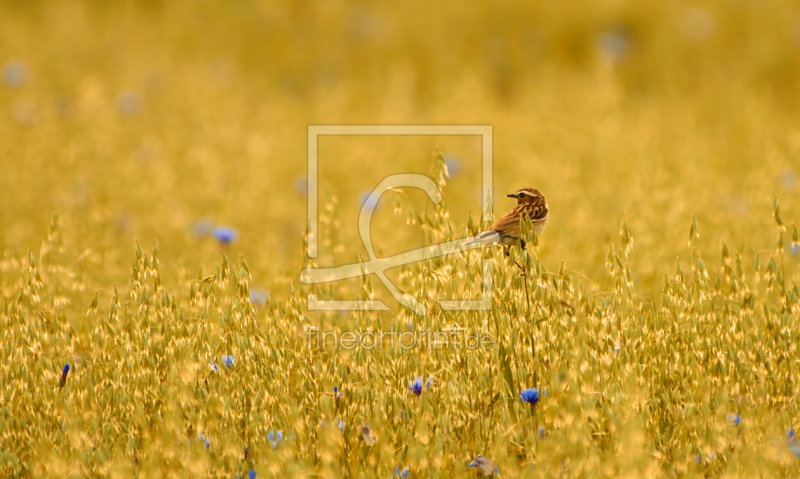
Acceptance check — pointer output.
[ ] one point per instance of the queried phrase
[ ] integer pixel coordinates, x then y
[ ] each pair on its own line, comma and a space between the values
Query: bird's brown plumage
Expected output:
530, 202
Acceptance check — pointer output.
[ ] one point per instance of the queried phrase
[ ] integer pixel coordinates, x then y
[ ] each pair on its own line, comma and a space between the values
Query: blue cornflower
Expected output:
416, 386
15, 74
229, 360
788, 179
213, 365
794, 445
259, 296
531, 396
735, 419
703, 459
63, 379
484, 465
225, 235
430, 381
251, 474
366, 200
400, 474
453, 166
202, 228
339, 423
202, 438
275, 440
613, 45
301, 185
337, 395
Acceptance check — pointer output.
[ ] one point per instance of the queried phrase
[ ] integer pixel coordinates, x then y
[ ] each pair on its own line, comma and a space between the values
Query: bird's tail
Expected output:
488, 238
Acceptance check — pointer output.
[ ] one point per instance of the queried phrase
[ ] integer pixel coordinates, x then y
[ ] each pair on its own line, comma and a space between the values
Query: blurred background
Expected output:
161, 120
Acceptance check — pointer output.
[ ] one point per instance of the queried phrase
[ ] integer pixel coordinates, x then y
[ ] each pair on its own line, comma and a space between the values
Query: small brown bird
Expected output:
530, 202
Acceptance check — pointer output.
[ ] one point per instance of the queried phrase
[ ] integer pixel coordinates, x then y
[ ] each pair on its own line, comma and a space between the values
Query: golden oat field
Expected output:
153, 228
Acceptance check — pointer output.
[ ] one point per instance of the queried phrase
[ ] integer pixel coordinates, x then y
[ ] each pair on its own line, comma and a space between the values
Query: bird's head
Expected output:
528, 195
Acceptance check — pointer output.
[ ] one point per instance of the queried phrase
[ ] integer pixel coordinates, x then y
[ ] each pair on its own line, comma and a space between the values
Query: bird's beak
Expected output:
512, 195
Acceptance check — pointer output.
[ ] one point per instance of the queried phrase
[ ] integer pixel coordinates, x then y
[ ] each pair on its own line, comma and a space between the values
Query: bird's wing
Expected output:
508, 225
